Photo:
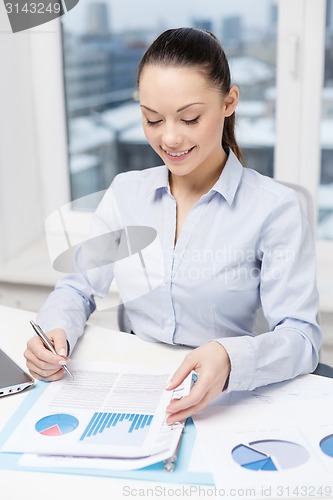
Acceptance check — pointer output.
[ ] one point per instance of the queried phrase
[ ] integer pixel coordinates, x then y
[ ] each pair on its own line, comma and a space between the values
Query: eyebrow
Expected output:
178, 110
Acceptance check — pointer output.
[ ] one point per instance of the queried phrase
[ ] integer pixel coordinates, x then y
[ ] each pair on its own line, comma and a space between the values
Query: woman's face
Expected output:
183, 118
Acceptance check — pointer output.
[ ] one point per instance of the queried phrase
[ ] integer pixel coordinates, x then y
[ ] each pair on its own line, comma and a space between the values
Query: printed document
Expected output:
114, 411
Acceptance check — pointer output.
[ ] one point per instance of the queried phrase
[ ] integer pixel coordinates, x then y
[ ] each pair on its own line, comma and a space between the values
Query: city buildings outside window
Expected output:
102, 48
103, 43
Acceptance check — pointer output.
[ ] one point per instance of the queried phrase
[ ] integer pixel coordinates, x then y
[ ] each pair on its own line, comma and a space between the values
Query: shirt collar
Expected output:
226, 184
160, 178
229, 180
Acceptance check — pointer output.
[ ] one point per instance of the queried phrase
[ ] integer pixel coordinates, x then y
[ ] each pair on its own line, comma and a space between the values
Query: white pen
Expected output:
169, 463
48, 344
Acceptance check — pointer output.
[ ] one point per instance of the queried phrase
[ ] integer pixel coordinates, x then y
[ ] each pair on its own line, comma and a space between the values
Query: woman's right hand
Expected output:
41, 362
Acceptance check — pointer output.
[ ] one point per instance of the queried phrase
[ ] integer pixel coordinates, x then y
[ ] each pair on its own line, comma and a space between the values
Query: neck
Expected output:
199, 182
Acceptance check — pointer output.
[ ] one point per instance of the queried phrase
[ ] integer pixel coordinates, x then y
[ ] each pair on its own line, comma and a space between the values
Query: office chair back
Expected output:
306, 200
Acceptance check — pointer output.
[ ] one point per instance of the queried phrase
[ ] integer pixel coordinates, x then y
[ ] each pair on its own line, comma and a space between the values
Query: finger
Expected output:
47, 377
187, 412
37, 349
197, 393
36, 365
41, 367
180, 374
60, 343
206, 384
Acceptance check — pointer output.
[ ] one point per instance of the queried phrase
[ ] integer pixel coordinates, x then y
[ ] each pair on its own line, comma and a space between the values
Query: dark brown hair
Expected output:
198, 48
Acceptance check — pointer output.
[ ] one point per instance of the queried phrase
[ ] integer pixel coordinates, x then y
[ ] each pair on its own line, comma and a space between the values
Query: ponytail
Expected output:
229, 139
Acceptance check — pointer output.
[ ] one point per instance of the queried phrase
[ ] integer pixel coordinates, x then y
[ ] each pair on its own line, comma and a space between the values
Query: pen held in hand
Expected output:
48, 344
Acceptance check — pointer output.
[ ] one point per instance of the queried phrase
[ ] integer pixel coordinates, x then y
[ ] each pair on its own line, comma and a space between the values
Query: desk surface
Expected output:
97, 344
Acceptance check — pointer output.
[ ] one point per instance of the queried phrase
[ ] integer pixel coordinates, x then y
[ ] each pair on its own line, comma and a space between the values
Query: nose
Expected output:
171, 136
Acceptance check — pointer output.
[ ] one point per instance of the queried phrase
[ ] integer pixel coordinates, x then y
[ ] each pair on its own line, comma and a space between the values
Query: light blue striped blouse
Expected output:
245, 244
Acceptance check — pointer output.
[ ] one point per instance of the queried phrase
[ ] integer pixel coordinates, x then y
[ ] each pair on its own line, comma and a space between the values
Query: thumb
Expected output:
59, 339
180, 375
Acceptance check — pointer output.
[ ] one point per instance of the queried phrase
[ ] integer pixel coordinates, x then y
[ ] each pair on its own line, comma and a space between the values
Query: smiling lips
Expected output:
179, 154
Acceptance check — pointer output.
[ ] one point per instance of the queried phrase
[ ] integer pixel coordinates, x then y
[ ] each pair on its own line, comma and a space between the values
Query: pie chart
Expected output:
270, 455
57, 424
326, 445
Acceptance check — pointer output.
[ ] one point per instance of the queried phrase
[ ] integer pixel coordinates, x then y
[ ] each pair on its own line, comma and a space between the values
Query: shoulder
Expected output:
267, 200
130, 194
276, 204
147, 177
136, 184
268, 192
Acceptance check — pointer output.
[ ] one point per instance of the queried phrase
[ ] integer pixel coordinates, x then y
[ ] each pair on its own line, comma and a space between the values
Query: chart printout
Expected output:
106, 411
276, 441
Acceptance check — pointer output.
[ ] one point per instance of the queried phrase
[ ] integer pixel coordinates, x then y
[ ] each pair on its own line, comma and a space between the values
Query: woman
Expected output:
229, 240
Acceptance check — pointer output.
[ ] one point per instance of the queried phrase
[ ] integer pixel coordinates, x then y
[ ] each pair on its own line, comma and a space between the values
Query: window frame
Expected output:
301, 32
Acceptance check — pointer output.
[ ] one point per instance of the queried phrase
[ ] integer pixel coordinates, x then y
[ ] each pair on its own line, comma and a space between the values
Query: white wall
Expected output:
33, 159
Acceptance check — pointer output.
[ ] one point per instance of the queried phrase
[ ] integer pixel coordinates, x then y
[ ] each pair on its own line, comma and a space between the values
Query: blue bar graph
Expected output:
117, 428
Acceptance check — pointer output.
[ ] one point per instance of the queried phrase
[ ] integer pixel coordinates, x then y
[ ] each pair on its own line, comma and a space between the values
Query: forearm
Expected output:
282, 354
68, 307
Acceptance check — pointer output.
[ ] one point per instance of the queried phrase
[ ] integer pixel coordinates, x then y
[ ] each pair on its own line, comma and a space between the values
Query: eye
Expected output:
191, 122
151, 123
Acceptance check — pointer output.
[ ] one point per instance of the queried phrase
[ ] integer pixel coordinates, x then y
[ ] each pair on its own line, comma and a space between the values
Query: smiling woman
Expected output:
186, 133
192, 131
201, 203
200, 84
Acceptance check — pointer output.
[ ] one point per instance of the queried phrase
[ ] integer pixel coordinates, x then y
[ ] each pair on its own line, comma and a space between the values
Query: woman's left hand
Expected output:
212, 364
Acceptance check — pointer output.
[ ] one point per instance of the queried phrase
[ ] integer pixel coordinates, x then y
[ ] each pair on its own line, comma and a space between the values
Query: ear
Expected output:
231, 101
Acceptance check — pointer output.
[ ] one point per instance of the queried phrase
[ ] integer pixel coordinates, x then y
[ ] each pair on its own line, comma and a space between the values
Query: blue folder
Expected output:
155, 472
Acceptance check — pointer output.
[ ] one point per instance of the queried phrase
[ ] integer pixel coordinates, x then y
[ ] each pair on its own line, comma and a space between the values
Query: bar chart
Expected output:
124, 429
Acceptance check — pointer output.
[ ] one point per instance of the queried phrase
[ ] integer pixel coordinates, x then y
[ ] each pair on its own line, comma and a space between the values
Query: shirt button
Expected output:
166, 280
169, 322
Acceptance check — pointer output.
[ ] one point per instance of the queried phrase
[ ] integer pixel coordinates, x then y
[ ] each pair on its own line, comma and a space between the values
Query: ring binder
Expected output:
169, 464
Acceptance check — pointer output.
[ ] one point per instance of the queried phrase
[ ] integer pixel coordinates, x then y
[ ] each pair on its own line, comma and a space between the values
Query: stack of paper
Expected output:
115, 412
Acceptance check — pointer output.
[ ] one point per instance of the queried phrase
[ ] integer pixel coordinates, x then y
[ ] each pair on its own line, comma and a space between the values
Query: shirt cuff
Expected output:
242, 360
71, 336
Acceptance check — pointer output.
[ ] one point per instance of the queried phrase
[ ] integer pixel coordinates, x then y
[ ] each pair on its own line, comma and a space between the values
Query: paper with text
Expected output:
108, 410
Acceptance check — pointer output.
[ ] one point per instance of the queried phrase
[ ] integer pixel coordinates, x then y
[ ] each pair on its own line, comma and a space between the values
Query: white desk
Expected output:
97, 344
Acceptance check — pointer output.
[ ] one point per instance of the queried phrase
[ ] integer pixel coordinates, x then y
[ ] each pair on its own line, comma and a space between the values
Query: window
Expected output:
103, 43
104, 128
325, 194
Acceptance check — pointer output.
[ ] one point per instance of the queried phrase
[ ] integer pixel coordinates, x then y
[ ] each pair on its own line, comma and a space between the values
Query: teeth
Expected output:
178, 154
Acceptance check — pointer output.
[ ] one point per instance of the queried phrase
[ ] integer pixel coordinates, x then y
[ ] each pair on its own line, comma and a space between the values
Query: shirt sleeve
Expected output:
73, 299
290, 304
